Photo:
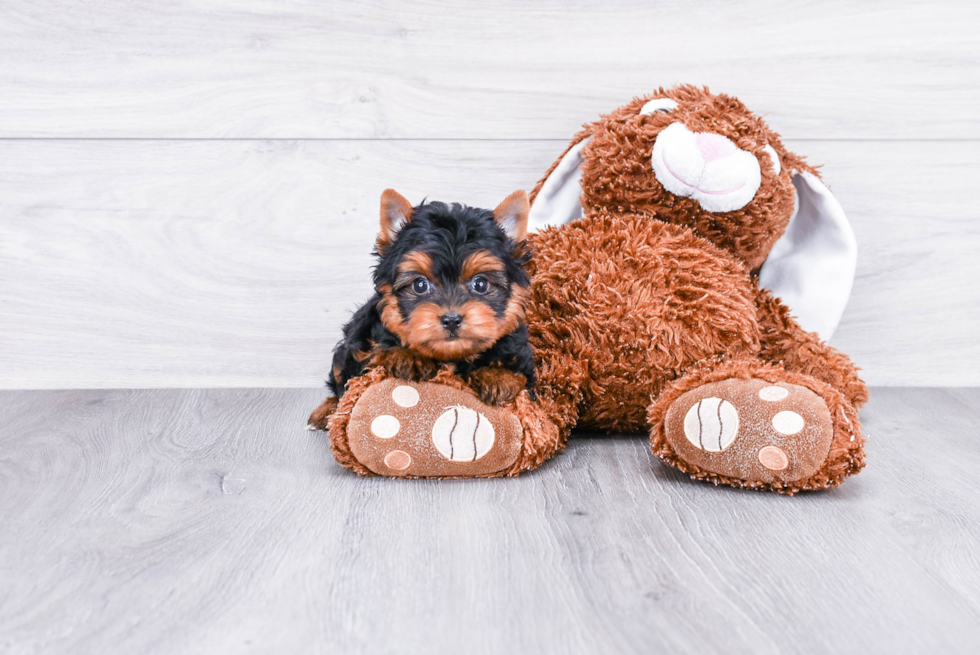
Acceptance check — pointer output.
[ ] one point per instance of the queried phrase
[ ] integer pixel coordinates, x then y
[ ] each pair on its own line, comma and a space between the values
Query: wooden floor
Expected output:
210, 521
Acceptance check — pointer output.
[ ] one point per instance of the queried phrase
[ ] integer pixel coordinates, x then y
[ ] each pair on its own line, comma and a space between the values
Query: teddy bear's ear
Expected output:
811, 267
555, 201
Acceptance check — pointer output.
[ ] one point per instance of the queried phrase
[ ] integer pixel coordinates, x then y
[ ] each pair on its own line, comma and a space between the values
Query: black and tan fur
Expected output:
450, 290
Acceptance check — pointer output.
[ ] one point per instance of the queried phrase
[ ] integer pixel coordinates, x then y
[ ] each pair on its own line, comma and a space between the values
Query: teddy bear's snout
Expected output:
706, 167
713, 146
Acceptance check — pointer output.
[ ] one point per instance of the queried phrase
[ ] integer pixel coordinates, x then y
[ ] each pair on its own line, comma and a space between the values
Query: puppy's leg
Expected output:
495, 385
318, 419
405, 364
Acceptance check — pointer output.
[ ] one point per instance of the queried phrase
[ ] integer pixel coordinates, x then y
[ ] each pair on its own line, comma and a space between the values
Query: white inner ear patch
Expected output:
658, 104
462, 434
711, 424
788, 422
777, 166
706, 167
385, 426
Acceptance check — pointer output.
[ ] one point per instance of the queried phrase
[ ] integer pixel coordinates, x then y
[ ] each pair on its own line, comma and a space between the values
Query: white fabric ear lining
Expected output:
811, 267
558, 202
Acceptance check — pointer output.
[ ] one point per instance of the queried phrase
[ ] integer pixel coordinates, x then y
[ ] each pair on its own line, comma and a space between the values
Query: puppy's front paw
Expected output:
321, 415
495, 385
406, 364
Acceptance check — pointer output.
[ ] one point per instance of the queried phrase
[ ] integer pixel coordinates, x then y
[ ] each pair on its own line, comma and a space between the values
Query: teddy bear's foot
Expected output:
425, 429
750, 432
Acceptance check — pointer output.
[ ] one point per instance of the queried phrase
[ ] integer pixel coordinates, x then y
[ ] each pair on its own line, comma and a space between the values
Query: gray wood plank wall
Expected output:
188, 190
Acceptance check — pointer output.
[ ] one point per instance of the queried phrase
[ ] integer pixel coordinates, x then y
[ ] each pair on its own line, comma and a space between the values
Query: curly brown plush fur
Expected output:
649, 296
616, 174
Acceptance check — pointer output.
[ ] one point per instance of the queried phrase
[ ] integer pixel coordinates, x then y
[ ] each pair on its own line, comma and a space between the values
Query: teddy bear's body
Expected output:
623, 304
646, 314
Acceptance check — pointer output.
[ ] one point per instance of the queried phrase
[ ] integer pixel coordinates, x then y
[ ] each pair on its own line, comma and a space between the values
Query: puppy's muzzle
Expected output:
451, 321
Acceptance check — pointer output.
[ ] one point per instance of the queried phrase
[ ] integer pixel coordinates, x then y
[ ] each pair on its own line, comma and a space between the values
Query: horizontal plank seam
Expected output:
324, 388
439, 140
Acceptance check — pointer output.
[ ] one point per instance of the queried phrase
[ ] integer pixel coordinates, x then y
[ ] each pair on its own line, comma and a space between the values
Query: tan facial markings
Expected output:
480, 262
514, 312
417, 262
391, 316
480, 328
423, 330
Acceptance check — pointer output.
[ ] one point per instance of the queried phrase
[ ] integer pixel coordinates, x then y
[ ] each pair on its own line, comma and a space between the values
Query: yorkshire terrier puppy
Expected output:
450, 288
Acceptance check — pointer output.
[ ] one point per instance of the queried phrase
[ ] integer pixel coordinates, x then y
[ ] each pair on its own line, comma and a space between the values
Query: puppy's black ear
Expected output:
396, 211
511, 215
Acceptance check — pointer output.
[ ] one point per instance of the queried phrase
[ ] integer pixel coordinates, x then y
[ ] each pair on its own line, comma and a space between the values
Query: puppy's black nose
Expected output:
451, 321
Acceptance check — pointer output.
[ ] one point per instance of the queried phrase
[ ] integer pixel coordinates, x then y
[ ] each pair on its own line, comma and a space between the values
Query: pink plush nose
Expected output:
714, 146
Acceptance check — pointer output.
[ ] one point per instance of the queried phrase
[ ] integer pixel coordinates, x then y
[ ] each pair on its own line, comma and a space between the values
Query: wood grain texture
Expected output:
173, 264
453, 69
211, 521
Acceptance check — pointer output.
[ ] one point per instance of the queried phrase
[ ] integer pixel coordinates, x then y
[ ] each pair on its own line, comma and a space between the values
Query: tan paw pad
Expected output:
773, 458
711, 424
385, 426
398, 460
462, 434
773, 394
425, 429
787, 422
751, 430
405, 396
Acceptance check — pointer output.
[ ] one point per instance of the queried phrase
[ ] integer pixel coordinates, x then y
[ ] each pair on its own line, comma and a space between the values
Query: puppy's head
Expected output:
451, 277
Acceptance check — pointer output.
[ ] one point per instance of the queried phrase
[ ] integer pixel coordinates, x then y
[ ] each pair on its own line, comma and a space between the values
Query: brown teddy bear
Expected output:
686, 271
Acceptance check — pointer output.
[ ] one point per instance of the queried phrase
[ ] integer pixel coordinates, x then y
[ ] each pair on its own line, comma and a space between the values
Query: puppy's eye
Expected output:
658, 106
420, 285
480, 284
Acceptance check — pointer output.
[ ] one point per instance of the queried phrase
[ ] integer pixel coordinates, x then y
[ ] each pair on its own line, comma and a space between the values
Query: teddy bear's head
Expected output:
689, 157
693, 158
